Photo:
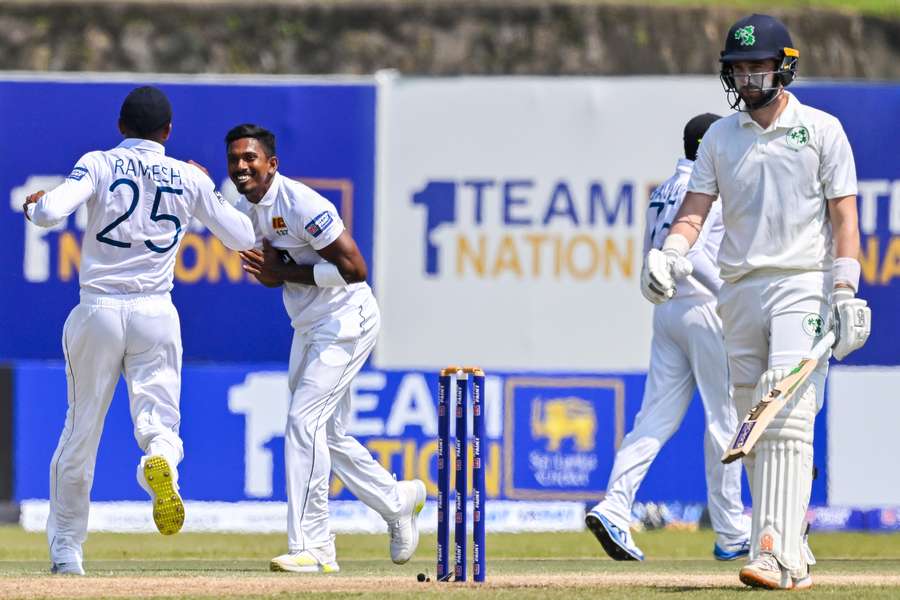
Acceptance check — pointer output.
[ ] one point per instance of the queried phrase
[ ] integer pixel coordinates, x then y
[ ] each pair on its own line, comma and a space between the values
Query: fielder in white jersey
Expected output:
789, 257
138, 202
306, 249
687, 353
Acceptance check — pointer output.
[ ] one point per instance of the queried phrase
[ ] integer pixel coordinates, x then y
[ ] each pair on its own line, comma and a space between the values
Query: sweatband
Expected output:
677, 243
846, 270
327, 275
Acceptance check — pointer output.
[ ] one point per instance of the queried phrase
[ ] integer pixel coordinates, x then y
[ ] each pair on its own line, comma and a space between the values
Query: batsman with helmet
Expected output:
789, 260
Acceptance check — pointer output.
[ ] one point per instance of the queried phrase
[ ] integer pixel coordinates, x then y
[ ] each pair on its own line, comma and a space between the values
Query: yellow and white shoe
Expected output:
159, 479
311, 560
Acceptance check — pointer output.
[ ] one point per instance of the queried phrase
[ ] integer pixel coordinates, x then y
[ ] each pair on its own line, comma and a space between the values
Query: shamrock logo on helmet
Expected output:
745, 35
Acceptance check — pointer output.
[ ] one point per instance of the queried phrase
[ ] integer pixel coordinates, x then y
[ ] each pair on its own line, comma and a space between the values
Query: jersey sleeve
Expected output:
225, 221
64, 199
703, 178
837, 169
319, 223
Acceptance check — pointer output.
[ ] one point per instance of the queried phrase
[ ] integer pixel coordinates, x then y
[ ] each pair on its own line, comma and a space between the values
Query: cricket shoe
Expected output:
732, 551
312, 560
404, 532
616, 541
159, 479
66, 568
766, 572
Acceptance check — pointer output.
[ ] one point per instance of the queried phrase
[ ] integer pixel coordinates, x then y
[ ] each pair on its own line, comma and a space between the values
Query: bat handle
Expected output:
822, 346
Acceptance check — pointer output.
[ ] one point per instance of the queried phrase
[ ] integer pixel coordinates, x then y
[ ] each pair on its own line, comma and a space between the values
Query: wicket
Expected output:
478, 495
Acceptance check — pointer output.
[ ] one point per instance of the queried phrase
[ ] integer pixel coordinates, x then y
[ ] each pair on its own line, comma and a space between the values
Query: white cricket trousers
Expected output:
687, 352
138, 336
323, 362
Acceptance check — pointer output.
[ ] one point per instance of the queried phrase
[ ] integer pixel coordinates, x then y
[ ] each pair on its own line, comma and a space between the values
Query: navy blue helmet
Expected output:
753, 38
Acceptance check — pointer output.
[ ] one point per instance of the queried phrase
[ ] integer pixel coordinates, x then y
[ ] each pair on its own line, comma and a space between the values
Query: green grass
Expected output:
132, 559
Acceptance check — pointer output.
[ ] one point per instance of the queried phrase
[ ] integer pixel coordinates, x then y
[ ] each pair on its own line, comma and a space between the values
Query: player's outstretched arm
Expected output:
226, 222
49, 209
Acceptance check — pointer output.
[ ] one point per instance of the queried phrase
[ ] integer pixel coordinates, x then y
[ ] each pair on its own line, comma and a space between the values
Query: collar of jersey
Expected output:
684, 165
269, 198
142, 144
789, 117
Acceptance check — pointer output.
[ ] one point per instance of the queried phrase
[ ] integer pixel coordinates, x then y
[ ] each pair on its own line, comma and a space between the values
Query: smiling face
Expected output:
250, 168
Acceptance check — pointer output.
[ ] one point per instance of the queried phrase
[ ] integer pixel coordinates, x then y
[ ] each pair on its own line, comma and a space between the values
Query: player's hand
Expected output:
659, 273
852, 322
265, 264
199, 166
31, 199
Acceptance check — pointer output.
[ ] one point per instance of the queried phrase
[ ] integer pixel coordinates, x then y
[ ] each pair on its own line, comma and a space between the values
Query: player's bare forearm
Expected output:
689, 220
844, 226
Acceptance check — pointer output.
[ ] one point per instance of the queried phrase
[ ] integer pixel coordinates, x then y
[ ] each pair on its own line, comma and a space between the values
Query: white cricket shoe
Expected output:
766, 572
404, 532
67, 568
312, 560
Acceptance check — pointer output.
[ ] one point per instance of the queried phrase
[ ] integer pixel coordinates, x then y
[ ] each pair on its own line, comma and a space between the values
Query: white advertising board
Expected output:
510, 214
863, 413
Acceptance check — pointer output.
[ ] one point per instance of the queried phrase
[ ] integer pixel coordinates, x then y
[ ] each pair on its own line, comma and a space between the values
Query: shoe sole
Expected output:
615, 551
278, 567
751, 579
420, 493
168, 508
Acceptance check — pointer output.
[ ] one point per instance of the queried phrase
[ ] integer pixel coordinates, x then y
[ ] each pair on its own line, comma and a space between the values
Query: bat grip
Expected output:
822, 346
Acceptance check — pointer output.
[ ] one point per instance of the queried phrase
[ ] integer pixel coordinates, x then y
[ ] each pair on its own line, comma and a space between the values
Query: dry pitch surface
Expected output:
519, 566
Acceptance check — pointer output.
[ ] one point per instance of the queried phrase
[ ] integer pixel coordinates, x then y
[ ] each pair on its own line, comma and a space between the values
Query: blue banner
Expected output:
547, 436
868, 113
325, 137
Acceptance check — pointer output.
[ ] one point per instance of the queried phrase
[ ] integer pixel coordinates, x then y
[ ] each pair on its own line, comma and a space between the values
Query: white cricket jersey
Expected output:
774, 185
139, 201
299, 221
664, 204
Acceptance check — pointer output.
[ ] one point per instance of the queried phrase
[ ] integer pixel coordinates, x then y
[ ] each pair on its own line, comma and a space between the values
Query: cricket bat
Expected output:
761, 415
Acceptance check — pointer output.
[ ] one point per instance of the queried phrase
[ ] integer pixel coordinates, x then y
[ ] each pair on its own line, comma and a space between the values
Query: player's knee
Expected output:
795, 421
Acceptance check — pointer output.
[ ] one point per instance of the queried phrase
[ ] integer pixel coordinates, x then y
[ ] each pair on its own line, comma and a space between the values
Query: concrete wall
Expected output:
436, 37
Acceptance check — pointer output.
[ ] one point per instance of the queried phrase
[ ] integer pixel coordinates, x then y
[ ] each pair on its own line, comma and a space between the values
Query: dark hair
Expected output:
694, 132
248, 130
145, 110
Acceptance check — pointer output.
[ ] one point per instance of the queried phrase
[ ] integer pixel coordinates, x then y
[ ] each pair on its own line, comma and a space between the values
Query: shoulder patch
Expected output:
319, 224
78, 173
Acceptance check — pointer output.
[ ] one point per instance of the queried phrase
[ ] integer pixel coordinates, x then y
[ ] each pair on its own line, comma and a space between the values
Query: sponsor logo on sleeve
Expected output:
319, 224
77, 173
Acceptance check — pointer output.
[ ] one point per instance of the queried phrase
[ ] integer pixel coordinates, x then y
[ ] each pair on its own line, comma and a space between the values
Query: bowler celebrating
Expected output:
305, 249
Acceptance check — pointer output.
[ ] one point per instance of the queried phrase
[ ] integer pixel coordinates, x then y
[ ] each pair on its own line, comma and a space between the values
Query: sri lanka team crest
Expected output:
279, 225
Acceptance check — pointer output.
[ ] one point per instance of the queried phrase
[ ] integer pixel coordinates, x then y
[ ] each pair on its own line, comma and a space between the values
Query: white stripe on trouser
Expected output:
323, 363
687, 351
103, 337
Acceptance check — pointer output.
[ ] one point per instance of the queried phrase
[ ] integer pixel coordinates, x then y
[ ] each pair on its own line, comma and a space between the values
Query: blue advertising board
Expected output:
549, 436
325, 136
868, 113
